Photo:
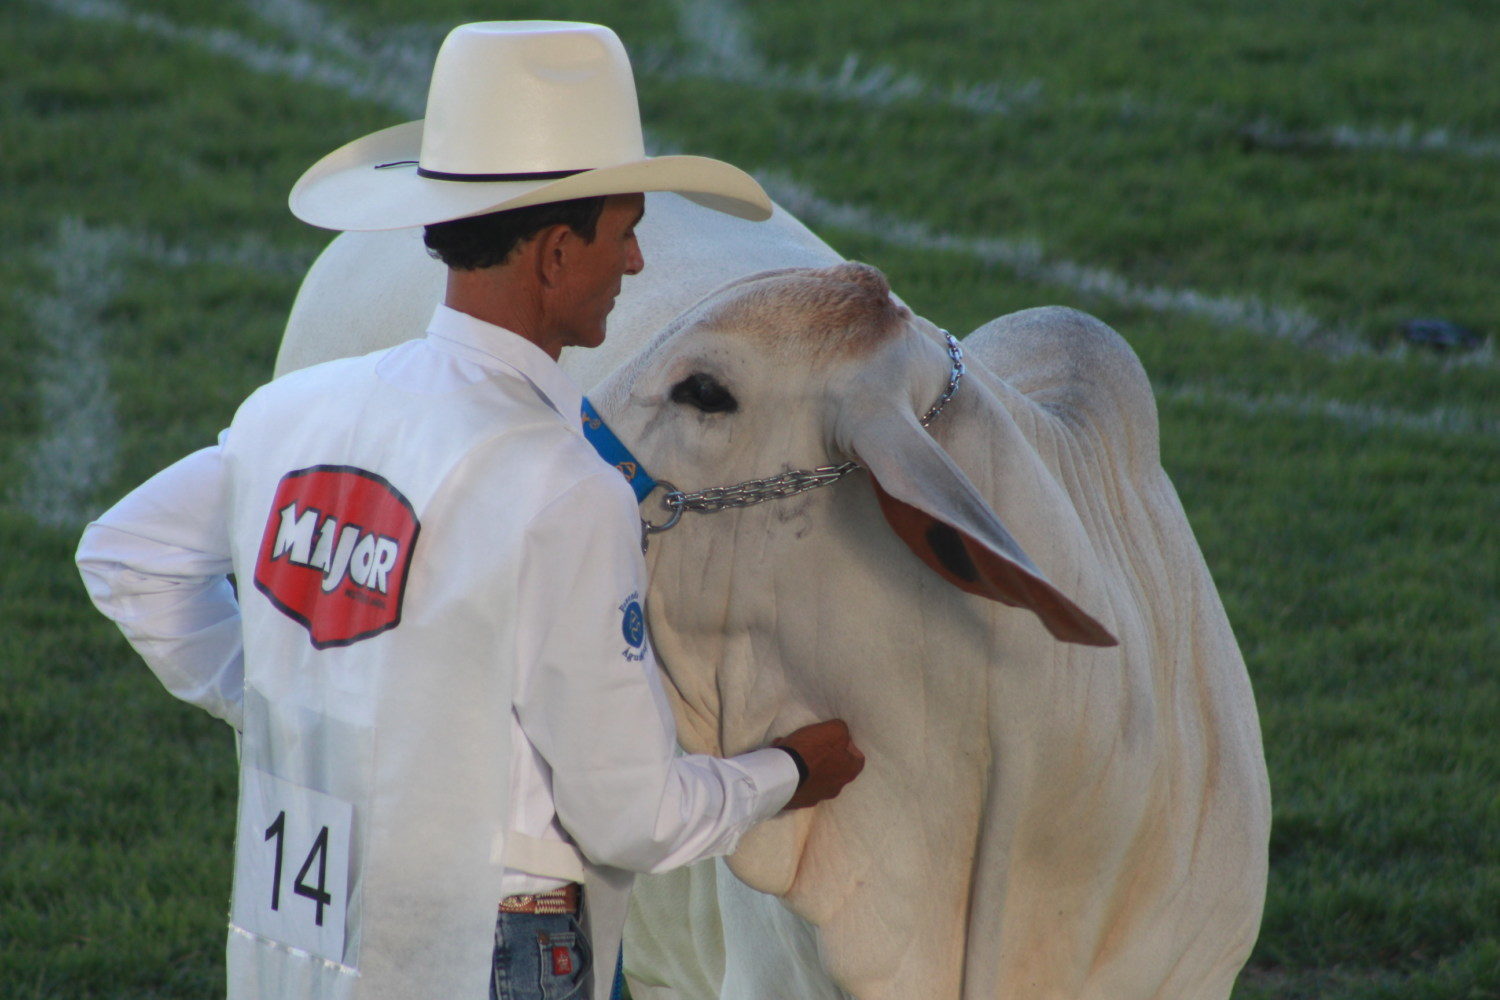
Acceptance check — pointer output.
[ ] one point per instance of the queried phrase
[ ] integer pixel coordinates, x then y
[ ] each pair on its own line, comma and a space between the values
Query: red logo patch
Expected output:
562, 960
336, 549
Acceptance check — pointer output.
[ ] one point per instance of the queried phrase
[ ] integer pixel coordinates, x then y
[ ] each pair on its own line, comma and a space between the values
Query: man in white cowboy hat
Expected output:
437, 655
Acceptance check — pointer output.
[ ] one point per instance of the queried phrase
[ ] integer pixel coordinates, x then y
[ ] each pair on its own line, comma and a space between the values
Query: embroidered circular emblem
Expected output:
633, 625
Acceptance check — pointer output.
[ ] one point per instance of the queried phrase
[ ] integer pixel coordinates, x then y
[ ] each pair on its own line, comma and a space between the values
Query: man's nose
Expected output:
635, 262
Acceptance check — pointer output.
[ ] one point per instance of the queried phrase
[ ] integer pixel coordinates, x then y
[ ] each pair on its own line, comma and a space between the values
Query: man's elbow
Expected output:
93, 565
642, 836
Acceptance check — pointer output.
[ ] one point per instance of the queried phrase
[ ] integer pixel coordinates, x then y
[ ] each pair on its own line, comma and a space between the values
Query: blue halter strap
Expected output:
613, 451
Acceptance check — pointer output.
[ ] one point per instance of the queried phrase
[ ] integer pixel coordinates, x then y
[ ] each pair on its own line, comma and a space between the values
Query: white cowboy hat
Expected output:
519, 113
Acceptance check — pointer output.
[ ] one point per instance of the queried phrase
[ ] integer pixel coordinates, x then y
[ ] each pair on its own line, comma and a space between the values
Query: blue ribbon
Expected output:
613, 451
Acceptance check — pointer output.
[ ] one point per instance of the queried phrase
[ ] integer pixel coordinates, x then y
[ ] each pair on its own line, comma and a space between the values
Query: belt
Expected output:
564, 900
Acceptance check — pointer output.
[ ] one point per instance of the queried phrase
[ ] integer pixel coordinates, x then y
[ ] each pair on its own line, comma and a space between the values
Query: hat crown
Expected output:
521, 97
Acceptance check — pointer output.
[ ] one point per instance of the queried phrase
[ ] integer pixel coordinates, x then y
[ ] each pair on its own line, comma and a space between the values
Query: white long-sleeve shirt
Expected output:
592, 761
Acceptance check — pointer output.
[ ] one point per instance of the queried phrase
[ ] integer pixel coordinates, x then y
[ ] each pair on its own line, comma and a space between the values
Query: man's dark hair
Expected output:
486, 240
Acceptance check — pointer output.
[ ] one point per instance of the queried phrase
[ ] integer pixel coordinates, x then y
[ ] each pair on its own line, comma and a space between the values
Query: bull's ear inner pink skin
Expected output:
974, 568
938, 513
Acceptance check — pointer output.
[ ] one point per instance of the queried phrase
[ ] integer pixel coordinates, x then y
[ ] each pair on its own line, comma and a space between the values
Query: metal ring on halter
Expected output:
653, 529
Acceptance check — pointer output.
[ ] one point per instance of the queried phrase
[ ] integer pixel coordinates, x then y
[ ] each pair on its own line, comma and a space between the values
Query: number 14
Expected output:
319, 852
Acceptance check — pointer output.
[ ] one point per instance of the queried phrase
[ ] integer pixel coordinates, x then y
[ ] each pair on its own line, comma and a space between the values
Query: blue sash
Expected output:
613, 451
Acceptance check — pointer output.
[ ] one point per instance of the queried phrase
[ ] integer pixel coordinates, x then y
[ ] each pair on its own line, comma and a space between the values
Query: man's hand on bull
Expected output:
827, 760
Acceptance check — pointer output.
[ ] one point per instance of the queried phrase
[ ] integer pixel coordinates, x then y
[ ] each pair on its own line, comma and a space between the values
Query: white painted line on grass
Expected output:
250, 252
79, 449
878, 86
404, 56
722, 50
1405, 138
369, 82
1444, 421
715, 29
303, 21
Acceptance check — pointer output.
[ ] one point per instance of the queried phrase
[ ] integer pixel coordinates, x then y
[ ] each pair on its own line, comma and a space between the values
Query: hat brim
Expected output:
353, 189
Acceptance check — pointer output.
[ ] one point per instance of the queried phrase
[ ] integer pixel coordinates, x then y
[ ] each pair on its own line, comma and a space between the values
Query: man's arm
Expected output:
589, 698
156, 563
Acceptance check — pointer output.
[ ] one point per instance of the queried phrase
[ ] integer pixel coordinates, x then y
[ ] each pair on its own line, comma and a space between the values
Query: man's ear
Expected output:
553, 246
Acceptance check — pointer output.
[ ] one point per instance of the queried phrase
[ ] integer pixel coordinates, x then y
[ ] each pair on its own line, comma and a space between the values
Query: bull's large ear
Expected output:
941, 517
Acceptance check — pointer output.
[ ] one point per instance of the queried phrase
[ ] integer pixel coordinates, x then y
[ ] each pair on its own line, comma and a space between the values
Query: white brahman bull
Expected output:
1038, 818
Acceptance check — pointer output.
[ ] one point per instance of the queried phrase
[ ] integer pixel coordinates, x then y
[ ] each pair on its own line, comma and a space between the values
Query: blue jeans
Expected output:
541, 957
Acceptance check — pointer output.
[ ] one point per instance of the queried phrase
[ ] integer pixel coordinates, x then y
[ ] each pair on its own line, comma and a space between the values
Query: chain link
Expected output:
788, 484
956, 371
756, 491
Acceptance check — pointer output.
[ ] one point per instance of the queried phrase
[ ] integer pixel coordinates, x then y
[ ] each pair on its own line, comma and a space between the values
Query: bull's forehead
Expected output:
826, 312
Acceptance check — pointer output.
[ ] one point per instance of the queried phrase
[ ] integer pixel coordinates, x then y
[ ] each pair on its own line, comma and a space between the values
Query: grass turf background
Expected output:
1336, 160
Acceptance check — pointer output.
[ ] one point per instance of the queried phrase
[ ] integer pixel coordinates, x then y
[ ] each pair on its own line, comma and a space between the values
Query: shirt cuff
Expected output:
796, 759
775, 776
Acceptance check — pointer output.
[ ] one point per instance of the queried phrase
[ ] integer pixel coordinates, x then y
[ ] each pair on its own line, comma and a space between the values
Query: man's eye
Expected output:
706, 393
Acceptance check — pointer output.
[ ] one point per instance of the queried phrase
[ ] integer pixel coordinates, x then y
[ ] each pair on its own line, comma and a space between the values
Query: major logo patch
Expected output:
335, 553
633, 628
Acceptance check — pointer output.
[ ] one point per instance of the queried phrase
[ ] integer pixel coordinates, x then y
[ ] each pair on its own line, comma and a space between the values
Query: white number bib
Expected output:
291, 864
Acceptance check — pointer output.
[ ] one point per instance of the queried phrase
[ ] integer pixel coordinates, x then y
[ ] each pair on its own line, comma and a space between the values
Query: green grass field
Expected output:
1256, 195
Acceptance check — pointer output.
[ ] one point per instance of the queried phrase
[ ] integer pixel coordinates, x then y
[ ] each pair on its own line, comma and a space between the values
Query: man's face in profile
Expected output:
595, 270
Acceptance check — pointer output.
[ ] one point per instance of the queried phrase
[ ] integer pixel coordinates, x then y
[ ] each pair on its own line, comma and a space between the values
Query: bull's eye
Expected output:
706, 393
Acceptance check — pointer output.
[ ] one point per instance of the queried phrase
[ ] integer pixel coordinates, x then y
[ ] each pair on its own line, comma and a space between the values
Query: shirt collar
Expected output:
494, 346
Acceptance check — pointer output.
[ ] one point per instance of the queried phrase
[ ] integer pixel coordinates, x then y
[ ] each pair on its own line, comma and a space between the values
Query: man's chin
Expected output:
593, 338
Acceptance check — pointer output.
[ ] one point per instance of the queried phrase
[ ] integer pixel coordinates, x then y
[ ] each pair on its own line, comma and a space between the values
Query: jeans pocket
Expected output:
566, 965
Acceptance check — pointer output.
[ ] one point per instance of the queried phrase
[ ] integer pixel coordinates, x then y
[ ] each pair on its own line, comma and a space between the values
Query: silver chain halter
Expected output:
787, 484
